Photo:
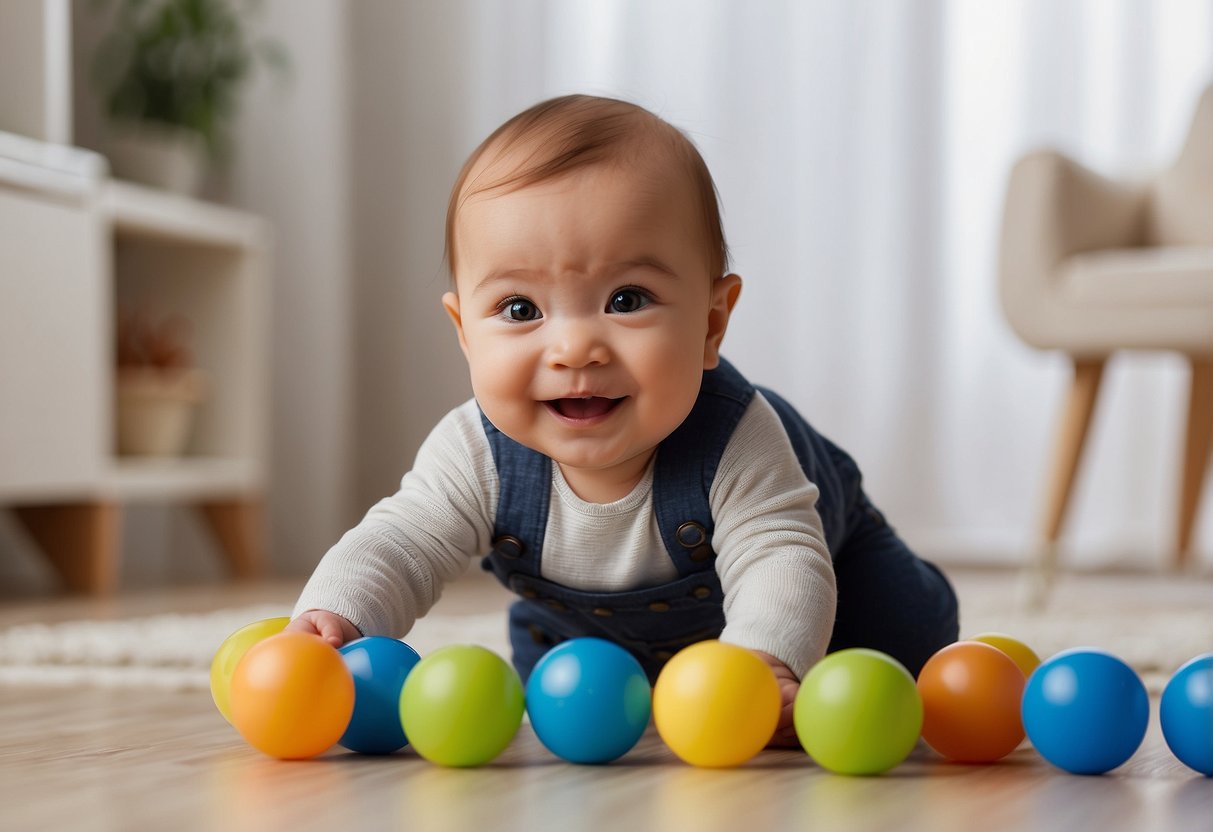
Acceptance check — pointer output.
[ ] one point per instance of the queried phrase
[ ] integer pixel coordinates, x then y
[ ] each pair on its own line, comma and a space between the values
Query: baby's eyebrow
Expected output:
644, 262
502, 274
611, 270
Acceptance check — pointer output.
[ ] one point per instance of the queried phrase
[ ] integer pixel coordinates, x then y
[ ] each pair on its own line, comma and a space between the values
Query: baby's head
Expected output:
588, 260
561, 135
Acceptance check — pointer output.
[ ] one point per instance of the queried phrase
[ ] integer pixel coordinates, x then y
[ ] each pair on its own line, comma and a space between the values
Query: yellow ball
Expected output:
1025, 657
231, 652
715, 704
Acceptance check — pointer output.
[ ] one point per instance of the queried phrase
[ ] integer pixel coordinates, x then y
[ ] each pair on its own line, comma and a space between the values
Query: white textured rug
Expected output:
174, 651
1155, 625
1154, 644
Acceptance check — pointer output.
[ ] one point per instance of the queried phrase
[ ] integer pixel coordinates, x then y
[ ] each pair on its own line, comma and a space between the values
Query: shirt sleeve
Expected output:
774, 565
388, 571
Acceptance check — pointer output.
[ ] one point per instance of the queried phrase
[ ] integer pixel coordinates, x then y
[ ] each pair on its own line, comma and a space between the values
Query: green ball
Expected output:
858, 712
461, 706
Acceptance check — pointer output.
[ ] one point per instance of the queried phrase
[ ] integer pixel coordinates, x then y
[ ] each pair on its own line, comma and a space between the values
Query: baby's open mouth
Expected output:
583, 408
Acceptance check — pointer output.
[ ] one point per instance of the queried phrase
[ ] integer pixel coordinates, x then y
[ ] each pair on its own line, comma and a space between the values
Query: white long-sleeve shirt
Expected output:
772, 559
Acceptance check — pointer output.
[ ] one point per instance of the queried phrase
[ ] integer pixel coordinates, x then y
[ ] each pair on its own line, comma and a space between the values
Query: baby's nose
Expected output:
576, 345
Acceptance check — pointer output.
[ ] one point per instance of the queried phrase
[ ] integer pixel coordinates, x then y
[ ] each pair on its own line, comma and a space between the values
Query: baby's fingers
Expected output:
325, 625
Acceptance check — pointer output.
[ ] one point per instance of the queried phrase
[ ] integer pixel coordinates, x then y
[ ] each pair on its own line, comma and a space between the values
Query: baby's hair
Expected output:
575, 131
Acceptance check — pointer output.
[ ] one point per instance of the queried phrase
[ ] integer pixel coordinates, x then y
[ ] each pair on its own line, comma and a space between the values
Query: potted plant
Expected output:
158, 389
170, 73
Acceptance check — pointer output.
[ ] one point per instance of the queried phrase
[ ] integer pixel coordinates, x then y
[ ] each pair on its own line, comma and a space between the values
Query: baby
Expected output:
613, 470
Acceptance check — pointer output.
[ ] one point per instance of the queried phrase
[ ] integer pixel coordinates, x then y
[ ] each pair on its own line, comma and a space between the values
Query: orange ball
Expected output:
292, 696
971, 695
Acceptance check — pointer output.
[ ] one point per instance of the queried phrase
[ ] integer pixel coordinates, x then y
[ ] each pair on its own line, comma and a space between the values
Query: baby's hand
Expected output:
789, 685
329, 626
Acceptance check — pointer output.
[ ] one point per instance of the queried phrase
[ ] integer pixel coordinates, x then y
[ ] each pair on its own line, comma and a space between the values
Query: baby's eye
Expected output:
520, 309
628, 300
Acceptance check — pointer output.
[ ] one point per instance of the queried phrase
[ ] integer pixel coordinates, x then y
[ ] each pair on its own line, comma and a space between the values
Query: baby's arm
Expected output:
328, 625
773, 561
390, 569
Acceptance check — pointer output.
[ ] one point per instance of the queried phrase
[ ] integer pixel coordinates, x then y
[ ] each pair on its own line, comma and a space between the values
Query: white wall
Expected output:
294, 167
409, 78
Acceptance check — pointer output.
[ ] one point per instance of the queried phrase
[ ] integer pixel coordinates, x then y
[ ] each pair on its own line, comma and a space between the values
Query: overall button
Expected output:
603, 612
528, 593
701, 592
691, 534
553, 604
659, 606
702, 553
509, 547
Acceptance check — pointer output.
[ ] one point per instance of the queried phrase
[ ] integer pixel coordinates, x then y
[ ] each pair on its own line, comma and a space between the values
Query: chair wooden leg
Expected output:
1067, 453
1196, 454
81, 540
239, 527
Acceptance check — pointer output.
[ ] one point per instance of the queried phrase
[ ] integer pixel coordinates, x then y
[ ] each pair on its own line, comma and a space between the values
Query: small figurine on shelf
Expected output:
158, 389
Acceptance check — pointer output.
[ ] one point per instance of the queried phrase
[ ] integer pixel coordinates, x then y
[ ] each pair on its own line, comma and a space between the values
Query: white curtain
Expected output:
861, 151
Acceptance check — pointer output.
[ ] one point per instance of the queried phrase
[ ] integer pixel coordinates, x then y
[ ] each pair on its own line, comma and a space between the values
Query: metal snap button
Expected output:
553, 604
509, 547
603, 612
659, 606
690, 534
701, 592
528, 593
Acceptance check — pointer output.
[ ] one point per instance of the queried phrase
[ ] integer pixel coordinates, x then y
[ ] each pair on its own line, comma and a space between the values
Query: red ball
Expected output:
971, 694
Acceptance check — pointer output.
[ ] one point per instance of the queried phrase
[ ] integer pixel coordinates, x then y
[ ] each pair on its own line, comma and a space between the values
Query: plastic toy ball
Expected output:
292, 696
715, 704
231, 652
971, 694
1023, 655
858, 712
379, 666
1086, 711
589, 700
1186, 713
461, 706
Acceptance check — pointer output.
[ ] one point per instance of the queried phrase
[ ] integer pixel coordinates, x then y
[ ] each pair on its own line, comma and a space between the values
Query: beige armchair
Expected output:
1089, 265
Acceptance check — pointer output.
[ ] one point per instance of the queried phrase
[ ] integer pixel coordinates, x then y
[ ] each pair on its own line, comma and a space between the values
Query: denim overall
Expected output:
888, 599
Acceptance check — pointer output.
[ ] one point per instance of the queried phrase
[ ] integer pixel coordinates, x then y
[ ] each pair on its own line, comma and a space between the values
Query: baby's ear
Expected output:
725, 291
450, 302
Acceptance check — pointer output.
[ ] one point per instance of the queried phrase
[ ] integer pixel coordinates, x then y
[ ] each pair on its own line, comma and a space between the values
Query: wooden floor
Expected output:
97, 759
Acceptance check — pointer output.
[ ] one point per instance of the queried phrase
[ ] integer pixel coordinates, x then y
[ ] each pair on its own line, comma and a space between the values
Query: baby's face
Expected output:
587, 314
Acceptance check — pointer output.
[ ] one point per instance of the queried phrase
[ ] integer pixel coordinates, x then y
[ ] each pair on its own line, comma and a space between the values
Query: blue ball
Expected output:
1085, 710
1186, 714
589, 700
379, 665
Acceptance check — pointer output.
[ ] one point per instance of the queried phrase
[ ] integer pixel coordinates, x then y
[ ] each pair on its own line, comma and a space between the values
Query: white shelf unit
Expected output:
207, 264
74, 249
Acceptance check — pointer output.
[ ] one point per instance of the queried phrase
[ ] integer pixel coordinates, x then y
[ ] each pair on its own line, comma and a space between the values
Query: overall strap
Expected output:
686, 466
522, 507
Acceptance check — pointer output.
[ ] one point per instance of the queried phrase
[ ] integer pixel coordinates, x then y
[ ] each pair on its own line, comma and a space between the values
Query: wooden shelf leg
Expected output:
239, 527
1196, 455
81, 540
